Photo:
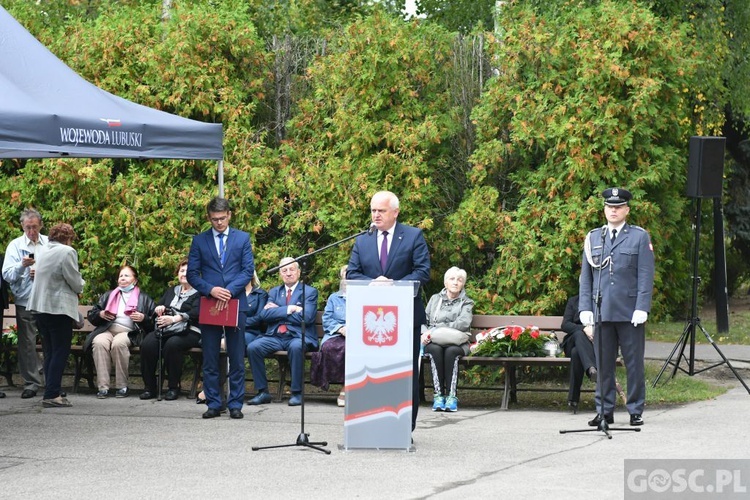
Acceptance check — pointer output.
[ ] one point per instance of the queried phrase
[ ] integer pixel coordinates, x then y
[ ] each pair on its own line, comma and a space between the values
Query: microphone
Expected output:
604, 232
373, 227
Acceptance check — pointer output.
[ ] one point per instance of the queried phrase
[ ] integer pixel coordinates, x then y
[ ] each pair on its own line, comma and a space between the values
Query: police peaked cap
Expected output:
616, 196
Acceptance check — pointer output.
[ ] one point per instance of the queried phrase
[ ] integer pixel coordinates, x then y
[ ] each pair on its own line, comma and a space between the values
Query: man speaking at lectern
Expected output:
393, 251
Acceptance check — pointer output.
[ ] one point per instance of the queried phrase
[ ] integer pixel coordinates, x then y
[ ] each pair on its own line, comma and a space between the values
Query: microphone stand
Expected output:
603, 425
303, 437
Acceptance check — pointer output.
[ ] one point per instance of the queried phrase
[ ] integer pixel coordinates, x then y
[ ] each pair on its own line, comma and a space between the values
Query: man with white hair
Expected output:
18, 271
283, 313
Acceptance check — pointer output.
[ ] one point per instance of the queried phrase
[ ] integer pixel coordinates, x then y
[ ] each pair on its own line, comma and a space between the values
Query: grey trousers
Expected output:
28, 360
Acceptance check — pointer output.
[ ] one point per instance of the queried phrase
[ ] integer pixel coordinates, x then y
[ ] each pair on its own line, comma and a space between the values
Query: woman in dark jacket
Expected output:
579, 347
177, 323
119, 312
256, 300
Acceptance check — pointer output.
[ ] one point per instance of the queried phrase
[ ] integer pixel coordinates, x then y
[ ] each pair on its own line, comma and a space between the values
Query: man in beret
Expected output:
618, 267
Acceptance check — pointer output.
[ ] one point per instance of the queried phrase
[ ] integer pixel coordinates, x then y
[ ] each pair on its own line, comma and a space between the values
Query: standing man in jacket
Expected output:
220, 264
18, 271
618, 264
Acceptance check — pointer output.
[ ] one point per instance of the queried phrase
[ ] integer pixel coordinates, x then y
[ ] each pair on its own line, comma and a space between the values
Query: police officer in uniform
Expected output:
618, 259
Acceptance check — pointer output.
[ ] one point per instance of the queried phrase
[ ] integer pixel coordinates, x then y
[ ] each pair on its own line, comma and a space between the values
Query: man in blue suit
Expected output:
394, 252
283, 313
220, 264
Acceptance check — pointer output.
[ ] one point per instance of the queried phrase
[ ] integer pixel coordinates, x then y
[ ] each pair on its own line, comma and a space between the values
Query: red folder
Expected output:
210, 315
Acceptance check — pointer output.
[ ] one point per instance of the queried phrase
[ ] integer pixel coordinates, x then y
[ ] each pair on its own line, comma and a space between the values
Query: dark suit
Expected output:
254, 326
627, 282
205, 272
408, 260
290, 341
577, 347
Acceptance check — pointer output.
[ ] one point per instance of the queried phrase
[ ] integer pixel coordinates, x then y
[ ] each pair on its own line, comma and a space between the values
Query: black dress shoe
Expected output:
172, 394
610, 419
28, 393
636, 420
2, 395
235, 413
573, 406
63, 394
211, 413
593, 374
147, 395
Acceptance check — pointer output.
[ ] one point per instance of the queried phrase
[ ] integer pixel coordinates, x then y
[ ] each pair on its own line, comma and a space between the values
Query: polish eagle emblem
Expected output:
380, 325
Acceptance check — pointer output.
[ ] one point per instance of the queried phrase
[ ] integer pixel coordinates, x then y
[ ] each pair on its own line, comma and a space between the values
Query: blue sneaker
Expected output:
438, 403
451, 404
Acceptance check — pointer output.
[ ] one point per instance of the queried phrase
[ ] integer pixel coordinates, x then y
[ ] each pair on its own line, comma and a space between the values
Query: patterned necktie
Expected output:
384, 251
614, 236
222, 254
282, 327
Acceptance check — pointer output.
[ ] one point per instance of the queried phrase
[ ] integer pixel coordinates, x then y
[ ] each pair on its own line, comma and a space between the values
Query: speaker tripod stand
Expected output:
688, 334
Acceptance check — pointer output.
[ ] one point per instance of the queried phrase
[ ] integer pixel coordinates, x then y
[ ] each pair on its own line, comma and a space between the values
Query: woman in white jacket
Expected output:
54, 302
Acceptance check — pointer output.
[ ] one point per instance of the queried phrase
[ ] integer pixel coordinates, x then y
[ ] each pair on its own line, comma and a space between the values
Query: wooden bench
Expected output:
83, 367
9, 319
546, 324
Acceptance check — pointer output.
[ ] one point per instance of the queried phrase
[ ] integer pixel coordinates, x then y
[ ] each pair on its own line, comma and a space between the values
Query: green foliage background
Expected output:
497, 143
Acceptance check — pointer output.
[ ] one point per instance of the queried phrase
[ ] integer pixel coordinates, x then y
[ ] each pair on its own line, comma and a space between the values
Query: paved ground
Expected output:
132, 449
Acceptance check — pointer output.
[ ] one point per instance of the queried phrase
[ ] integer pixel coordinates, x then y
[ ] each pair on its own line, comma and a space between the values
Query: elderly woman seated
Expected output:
446, 337
121, 316
328, 364
177, 332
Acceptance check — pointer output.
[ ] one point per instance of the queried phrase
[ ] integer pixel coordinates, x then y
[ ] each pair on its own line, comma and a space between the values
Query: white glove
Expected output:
639, 317
589, 331
587, 318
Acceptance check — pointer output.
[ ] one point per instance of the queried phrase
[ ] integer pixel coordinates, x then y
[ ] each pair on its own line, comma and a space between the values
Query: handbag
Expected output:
445, 335
135, 336
180, 328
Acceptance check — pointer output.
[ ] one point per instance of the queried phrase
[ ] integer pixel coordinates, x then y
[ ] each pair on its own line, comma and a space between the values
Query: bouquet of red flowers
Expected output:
510, 341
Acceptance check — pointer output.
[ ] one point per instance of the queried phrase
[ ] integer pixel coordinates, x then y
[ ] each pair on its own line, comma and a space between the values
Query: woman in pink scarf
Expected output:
119, 312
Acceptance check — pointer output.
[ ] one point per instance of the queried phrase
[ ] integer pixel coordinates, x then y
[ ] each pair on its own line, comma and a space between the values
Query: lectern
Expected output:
379, 365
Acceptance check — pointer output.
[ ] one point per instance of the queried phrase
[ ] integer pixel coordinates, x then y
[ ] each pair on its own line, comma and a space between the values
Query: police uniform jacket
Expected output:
627, 273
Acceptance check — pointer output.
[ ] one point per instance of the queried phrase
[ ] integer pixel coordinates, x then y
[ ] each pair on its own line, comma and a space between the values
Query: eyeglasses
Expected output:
219, 219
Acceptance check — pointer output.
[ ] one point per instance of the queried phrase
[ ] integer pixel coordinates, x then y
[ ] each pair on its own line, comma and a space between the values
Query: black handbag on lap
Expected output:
135, 336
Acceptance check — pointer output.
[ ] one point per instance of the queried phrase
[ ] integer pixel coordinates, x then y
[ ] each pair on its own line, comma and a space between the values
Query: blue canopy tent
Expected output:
47, 110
